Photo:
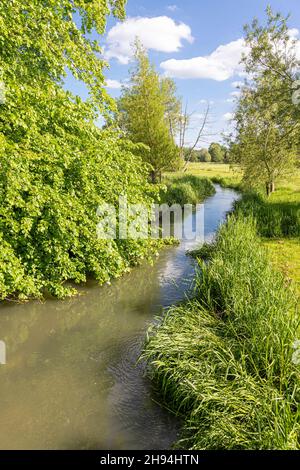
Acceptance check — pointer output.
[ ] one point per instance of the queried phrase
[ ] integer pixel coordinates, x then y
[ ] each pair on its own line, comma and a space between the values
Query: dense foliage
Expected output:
56, 166
186, 189
227, 361
216, 153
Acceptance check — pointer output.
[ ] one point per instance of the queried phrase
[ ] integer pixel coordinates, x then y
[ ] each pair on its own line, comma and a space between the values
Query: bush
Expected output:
187, 189
225, 361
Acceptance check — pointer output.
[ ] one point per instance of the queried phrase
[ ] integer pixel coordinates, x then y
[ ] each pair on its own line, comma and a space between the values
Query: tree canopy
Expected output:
57, 166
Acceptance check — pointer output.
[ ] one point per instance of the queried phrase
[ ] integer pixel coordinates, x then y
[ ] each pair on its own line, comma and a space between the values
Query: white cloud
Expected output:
220, 65
113, 84
172, 8
228, 116
206, 102
160, 34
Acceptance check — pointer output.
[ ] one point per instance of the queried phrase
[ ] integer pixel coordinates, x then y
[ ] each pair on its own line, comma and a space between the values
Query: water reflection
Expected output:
71, 379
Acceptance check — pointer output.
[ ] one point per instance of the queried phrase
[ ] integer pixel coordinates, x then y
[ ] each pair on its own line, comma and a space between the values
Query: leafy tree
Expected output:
57, 166
267, 130
216, 152
172, 104
204, 156
144, 107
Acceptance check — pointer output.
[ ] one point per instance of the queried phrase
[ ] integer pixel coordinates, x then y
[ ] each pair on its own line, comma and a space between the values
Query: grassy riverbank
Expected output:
217, 172
227, 361
186, 189
224, 361
279, 215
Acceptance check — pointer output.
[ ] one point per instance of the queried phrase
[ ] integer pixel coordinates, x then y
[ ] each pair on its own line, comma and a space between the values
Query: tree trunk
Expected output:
270, 187
153, 177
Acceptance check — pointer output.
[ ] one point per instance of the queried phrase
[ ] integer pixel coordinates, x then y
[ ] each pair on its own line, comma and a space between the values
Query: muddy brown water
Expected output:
71, 379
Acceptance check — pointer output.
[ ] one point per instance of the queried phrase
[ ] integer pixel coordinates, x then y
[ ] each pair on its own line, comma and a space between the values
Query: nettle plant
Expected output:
56, 165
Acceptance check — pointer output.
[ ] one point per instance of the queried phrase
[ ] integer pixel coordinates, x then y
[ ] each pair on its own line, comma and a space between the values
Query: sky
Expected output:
198, 43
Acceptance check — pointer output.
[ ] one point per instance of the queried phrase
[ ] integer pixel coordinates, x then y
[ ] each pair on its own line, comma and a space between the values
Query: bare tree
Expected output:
184, 128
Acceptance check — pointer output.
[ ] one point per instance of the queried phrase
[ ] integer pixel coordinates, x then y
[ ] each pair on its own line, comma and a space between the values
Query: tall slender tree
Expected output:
146, 115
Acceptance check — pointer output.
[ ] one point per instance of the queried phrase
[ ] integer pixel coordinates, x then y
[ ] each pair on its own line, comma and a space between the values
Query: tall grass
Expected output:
275, 219
224, 361
188, 189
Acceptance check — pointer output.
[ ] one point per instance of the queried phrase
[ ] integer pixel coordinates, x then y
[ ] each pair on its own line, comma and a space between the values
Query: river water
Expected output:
71, 379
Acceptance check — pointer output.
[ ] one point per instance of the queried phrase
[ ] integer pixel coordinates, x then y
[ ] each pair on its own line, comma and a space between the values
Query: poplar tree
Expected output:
146, 111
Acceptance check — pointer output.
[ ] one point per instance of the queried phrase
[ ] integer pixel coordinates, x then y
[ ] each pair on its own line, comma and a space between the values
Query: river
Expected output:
71, 379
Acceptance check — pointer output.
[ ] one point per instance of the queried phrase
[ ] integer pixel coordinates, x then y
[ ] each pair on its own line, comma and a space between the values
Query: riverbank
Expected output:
227, 361
283, 248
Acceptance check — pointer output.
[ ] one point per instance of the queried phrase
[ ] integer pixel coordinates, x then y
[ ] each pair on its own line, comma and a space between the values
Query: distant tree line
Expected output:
216, 153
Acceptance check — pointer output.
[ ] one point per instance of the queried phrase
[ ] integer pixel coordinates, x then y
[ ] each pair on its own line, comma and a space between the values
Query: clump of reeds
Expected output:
188, 189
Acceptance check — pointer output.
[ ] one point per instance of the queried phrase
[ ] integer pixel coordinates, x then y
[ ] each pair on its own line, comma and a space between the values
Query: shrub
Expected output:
187, 189
48, 214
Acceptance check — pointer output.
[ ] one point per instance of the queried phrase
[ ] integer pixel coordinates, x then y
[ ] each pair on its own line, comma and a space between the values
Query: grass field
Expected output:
225, 361
214, 171
285, 253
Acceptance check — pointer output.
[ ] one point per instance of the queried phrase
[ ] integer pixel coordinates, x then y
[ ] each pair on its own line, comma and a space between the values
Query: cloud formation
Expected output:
160, 34
223, 63
220, 65
228, 116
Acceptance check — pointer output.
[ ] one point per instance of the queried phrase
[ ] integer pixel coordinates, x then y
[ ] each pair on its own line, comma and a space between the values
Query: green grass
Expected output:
279, 218
275, 218
217, 172
186, 189
224, 361
285, 256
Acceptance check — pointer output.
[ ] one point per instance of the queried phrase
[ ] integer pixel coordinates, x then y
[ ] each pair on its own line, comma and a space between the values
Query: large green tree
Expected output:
56, 165
147, 115
216, 152
267, 121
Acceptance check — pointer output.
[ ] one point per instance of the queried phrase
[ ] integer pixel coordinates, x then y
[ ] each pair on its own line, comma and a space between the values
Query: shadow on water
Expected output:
71, 379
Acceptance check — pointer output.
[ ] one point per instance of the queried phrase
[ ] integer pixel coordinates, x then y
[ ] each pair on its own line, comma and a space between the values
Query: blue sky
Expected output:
197, 42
